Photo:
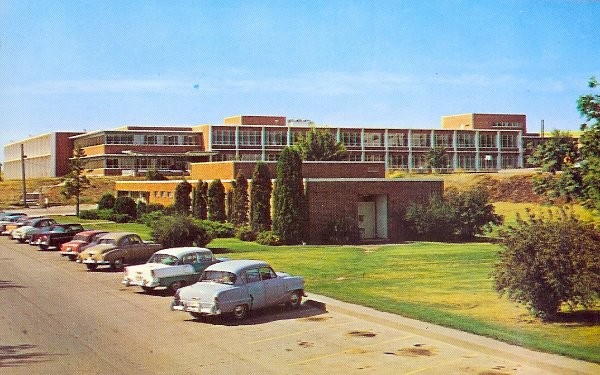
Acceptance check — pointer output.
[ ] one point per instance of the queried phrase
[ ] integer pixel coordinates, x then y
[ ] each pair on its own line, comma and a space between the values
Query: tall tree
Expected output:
199, 202
75, 180
589, 146
182, 197
290, 211
556, 153
260, 198
320, 144
240, 201
437, 157
216, 201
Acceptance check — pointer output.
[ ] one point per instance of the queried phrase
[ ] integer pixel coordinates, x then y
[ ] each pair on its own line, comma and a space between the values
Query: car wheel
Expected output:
72, 257
196, 315
240, 312
176, 285
295, 299
44, 247
91, 267
21, 240
117, 264
148, 289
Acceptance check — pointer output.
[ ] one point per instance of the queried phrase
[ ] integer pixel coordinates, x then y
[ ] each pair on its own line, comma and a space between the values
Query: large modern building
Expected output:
46, 155
472, 142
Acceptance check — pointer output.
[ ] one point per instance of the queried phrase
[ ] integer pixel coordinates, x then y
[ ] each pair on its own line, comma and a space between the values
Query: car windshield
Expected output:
59, 229
80, 237
164, 259
108, 241
221, 277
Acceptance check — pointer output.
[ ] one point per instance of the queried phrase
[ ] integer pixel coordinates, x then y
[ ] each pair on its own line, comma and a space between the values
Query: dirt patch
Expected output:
316, 318
305, 344
417, 350
361, 334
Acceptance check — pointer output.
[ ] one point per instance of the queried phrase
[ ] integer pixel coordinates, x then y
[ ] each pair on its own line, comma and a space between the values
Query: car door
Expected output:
274, 287
256, 288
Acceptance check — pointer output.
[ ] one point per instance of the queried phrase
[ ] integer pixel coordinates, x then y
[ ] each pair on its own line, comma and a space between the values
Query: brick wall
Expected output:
255, 120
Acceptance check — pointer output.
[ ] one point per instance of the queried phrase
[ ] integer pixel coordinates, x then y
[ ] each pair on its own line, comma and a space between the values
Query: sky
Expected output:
89, 65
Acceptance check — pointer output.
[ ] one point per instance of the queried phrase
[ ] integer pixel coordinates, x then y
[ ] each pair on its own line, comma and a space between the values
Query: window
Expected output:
250, 137
443, 140
398, 161
374, 157
351, 138
266, 273
397, 140
119, 139
354, 156
252, 275
507, 124
487, 140
421, 140
465, 140
272, 157
510, 161
373, 139
223, 137
190, 258
466, 162
251, 157
170, 140
189, 140
150, 139
420, 161
112, 163
508, 140
276, 137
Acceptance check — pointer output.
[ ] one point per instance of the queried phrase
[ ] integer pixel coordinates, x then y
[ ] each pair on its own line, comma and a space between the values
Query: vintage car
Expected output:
20, 234
237, 287
9, 219
72, 248
116, 249
23, 220
58, 235
171, 268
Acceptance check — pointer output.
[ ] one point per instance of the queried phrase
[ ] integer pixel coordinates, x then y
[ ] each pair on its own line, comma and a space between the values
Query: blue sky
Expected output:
74, 65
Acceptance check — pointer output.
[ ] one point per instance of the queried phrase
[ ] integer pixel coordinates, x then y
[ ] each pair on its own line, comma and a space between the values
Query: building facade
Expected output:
46, 155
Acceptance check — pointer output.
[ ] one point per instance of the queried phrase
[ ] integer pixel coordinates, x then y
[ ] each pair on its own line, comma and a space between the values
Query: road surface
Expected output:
58, 318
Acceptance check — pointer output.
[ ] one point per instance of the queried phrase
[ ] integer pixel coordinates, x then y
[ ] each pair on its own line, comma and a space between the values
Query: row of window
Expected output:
506, 124
464, 161
369, 139
150, 139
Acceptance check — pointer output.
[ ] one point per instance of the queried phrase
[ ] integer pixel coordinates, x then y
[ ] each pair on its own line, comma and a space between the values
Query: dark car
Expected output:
33, 237
59, 234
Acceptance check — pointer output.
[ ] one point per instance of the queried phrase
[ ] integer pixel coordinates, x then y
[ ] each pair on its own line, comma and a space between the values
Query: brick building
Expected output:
356, 190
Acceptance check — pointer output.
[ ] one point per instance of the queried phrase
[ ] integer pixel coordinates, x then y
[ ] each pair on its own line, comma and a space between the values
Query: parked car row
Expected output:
203, 285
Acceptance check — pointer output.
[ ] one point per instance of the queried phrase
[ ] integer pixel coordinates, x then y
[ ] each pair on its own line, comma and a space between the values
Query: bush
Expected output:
125, 205
152, 207
141, 208
106, 201
433, 221
105, 214
179, 230
549, 261
245, 233
268, 238
89, 214
151, 217
217, 229
121, 218
340, 231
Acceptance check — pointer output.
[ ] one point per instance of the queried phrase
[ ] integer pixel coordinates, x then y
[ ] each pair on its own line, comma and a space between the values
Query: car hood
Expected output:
74, 243
99, 249
203, 290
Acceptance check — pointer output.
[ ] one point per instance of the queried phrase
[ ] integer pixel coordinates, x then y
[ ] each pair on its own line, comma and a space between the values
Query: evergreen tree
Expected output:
290, 213
182, 197
199, 200
240, 201
320, 144
216, 201
260, 198
76, 181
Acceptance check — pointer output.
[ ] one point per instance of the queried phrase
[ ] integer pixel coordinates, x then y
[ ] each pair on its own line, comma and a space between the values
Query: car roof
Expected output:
236, 266
117, 235
180, 251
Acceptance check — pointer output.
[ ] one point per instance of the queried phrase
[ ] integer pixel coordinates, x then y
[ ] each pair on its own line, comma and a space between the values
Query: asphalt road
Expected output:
58, 318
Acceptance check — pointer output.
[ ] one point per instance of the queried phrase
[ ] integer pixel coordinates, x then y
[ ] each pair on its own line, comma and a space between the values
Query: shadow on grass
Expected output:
21, 355
578, 318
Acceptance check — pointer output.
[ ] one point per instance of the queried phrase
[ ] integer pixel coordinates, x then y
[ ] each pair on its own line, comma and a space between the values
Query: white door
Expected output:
366, 219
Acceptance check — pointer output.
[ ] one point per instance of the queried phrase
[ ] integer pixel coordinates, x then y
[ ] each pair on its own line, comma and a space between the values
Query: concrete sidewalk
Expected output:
52, 210
548, 362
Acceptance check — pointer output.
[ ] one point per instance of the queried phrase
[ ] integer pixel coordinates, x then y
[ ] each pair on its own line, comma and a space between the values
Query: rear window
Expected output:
80, 237
163, 259
221, 277
108, 241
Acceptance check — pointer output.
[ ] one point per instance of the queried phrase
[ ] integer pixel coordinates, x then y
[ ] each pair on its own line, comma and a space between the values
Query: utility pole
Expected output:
542, 132
23, 156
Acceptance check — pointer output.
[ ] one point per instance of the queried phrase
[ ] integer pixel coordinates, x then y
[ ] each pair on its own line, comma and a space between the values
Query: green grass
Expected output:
110, 226
447, 284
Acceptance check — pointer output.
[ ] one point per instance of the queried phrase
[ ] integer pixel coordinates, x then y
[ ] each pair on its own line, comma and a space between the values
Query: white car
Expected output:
20, 234
170, 268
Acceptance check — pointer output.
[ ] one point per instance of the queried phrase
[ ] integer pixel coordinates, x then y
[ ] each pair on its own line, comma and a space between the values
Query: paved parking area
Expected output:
58, 318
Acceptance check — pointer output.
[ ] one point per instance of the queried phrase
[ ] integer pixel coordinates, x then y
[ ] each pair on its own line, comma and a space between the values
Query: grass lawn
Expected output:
446, 284
110, 226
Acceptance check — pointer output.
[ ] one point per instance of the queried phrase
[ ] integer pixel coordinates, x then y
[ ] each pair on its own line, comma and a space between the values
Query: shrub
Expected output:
152, 207
260, 198
183, 201
106, 201
125, 205
121, 218
89, 214
154, 175
290, 213
268, 238
217, 229
340, 231
216, 201
431, 221
141, 208
245, 233
549, 261
179, 230
106, 214
151, 217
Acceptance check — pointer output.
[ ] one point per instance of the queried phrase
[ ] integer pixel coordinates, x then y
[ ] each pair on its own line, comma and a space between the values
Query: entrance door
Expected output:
366, 219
